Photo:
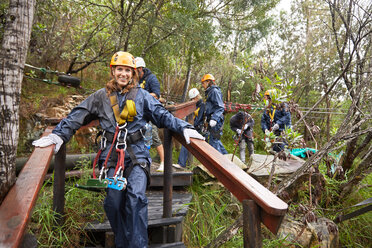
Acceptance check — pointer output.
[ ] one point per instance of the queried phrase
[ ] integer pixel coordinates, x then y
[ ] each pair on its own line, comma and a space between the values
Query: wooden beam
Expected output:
238, 182
16, 209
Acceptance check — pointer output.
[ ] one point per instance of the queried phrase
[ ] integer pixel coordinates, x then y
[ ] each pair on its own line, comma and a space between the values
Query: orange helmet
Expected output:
123, 58
207, 77
270, 92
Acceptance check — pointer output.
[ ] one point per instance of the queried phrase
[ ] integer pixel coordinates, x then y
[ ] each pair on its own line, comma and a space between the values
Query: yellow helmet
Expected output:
123, 58
207, 77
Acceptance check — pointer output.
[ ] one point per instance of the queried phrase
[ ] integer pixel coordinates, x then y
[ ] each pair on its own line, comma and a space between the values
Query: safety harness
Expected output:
272, 115
120, 140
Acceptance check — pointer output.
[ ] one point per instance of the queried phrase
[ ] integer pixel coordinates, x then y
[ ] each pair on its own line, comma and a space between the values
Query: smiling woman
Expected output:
123, 109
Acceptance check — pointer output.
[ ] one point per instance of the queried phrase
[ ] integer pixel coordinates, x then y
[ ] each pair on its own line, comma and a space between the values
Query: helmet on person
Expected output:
123, 58
207, 77
270, 93
140, 62
193, 93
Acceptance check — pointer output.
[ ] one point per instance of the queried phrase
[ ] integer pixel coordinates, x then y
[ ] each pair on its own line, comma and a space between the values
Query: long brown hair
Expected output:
112, 85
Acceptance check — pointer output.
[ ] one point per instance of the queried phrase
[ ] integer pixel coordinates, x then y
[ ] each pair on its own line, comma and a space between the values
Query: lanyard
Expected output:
272, 115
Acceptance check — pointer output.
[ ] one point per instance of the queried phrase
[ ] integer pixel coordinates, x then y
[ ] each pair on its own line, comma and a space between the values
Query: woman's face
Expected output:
122, 75
205, 84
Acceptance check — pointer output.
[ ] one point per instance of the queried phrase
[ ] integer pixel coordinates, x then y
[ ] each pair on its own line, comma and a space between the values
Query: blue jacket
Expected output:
149, 82
214, 106
282, 117
239, 120
97, 106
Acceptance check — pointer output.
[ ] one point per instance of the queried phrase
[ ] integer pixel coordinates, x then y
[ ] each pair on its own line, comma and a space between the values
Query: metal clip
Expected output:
119, 174
103, 140
122, 141
102, 172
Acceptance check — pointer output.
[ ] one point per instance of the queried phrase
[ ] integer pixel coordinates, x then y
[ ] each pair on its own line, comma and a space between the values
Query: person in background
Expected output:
194, 95
275, 118
123, 109
214, 108
242, 123
149, 82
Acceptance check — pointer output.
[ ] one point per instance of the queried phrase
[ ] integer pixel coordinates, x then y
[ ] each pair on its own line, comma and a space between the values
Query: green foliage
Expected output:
81, 206
209, 213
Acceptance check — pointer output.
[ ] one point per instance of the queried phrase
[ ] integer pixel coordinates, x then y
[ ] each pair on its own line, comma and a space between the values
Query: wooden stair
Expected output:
162, 232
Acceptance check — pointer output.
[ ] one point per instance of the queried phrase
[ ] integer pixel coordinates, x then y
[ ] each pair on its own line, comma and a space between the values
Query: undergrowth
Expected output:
81, 207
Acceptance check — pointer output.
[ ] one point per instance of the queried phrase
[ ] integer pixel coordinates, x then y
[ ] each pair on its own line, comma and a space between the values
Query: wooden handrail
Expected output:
16, 209
238, 182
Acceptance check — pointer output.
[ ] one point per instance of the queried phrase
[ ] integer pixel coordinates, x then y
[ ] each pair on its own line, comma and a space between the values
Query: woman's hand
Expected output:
191, 133
51, 139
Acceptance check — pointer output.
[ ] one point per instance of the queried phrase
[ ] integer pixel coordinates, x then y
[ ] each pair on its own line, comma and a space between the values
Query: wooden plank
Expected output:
242, 185
16, 209
170, 245
105, 226
182, 110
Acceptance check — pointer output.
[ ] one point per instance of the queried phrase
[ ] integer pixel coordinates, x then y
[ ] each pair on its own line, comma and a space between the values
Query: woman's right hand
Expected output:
51, 139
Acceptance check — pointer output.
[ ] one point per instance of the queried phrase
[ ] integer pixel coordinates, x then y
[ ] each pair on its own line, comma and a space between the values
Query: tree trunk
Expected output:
233, 60
188, 75
363, 170
13, 53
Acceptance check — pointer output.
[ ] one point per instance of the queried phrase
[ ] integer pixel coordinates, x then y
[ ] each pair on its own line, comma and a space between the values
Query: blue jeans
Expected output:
182, 158
127, 210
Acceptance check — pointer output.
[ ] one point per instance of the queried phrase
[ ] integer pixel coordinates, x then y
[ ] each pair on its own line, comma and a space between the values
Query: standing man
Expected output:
214, 108
149, 82
242, 123
194, 95
275, 118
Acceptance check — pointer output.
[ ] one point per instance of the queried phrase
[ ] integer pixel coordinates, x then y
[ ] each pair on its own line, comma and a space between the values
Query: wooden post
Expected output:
251, 225
59, 184
168, 178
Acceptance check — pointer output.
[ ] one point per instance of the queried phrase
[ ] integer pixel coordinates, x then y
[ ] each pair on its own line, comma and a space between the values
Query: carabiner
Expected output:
122, 141
119, 174
103, 171
103, 140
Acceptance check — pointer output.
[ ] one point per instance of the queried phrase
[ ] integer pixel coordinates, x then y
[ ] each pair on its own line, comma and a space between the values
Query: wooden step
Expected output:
161, 231
105, 226
169, 245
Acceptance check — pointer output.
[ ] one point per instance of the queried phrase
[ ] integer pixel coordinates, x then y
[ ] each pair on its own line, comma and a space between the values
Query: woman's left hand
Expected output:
191, 133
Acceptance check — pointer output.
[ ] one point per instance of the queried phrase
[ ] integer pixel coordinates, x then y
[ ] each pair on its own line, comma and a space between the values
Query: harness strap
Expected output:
112, 145
143, 84
272, 115
144, 166
129, 110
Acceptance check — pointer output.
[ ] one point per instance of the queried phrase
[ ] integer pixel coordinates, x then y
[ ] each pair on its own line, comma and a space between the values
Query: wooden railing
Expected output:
16, 209
259, 204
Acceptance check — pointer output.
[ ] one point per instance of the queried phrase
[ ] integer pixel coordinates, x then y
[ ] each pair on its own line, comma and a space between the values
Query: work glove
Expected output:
191, 133
245, 127
267, 132
275, 127
238, 131
212, 123
51, 139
